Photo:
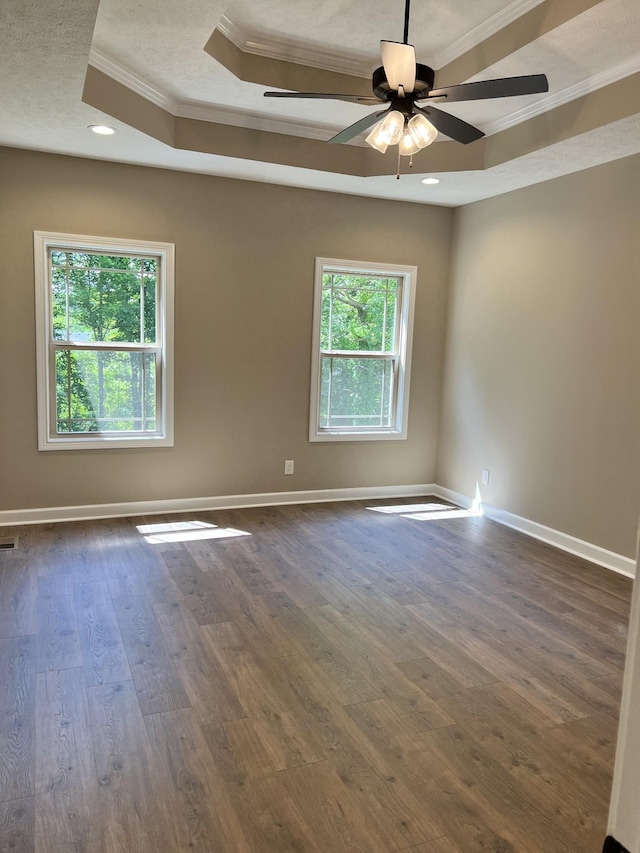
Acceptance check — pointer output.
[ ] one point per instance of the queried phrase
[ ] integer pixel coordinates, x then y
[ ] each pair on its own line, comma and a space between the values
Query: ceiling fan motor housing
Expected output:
425, 78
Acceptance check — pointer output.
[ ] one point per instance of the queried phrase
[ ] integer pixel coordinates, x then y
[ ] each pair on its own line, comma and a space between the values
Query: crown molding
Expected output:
564, 96
484, 31
206, 112
138, 84
256, 121
301, 54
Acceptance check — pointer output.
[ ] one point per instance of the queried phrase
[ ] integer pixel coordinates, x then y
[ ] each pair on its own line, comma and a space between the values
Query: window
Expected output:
363, 318
104, 327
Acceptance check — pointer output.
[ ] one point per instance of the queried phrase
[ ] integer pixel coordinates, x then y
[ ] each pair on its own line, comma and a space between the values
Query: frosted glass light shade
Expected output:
387, 132
375, 142
422, 130
399, 62
408, 144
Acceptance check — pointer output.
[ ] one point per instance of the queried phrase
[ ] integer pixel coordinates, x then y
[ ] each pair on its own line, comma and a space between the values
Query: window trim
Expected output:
406, 311
47, 437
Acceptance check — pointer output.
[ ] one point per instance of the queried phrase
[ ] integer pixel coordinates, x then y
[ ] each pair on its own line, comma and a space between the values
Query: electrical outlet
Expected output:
485, 476
288, 466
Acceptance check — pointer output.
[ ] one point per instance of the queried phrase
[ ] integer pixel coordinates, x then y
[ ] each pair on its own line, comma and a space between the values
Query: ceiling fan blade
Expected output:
450, 125
504, 87
399, 62
357, 99
357, 127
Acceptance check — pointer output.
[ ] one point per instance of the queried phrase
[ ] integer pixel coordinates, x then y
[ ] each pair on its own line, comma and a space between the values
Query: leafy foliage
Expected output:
102, 299
359, 314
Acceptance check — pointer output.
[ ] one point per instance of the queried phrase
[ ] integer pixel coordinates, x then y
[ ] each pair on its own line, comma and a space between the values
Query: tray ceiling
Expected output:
183, 85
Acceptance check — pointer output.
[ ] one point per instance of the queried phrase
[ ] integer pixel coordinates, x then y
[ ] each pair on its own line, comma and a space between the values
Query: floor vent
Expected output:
7, 544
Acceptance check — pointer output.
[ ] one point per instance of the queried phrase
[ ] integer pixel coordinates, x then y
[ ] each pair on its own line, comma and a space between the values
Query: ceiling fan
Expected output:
401, 83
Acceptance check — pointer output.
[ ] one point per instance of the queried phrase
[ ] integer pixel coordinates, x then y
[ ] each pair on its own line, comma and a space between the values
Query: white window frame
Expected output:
48, 439
402, 371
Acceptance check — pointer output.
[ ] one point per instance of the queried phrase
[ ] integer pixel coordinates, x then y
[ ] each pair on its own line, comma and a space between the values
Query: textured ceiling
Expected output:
178, 99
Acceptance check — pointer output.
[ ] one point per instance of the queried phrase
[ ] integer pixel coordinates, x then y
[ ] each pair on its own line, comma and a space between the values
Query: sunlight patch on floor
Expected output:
426, 512
186, 531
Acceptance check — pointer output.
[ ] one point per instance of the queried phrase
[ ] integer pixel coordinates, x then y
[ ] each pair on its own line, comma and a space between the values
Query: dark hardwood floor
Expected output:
337, 680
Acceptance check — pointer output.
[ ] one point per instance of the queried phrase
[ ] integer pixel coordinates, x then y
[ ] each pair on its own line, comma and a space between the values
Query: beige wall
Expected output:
542, 376
244, 282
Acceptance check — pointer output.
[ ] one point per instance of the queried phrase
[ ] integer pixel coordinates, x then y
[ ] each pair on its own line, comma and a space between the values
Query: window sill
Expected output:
105, 443
378, 435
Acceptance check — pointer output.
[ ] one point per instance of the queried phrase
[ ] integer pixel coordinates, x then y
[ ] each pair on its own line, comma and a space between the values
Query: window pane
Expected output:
89, 260
105, 391
104, 306
150, 333
59, 303
104, 297
356, 392
358, 312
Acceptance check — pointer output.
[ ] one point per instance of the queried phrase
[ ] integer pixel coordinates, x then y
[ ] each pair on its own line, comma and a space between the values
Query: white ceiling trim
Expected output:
484, 31
205, 112
100, 60
571, 93
257, 121
313, 57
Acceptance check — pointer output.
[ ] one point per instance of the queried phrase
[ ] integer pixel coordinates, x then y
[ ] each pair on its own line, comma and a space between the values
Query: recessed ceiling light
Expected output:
430, 181
102, 129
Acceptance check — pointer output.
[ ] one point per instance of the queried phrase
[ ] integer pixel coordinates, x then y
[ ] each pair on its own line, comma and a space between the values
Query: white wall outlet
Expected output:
485, 476
288, 466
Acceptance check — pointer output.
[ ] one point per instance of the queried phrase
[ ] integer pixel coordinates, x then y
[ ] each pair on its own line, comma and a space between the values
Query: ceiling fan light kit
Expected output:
387, 132
401, 82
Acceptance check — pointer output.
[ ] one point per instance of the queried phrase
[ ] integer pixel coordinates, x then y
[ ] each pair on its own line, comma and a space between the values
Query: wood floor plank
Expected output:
156, 678
201, 812
17, 717
550, 826
513, 733
47, 548
581, 636
419, 711
18, 598
131, 802
65, 757
330, 812
66, 781
140, 570
243, 672
208, 594
270, 824
105, 658
389, 806
343, 677
207, 685
437, 845
17, 819
58, 639
261, 633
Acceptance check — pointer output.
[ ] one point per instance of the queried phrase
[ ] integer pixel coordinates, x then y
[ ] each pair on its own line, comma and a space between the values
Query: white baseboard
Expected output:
456, 498
594, 553
118, 510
